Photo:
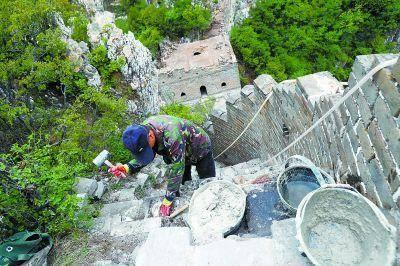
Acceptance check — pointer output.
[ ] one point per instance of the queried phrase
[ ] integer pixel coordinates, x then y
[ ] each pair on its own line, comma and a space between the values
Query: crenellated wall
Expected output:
358, 143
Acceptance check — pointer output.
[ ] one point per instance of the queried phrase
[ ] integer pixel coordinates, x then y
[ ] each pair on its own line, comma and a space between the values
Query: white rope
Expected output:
344, 98
248, 125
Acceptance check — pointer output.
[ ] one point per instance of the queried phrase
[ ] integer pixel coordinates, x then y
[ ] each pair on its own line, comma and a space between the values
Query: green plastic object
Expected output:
22, 246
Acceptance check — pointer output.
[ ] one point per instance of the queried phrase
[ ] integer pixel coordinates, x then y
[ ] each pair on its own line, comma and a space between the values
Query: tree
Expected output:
309, 36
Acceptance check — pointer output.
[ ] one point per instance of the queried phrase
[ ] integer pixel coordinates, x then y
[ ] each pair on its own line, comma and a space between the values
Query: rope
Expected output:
338, 103
248, 125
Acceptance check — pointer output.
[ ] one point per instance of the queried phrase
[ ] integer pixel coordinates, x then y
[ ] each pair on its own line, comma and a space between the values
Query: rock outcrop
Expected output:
139, 70
78, 53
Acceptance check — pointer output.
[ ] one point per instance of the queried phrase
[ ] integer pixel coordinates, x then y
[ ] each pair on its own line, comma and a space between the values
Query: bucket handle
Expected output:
343, 186
308, 163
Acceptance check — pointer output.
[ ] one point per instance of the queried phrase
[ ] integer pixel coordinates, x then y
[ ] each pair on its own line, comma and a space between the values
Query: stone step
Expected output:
115, 226
125, 194
176, 243
114, 208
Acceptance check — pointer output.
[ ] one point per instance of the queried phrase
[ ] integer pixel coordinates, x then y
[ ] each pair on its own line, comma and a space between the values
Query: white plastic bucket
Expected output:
338, 226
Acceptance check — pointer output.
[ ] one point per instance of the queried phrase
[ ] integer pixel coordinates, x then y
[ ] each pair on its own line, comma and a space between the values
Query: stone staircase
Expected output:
127, 232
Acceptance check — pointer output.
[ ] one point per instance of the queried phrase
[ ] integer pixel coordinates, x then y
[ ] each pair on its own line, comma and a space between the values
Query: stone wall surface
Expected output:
359, 142
180, 85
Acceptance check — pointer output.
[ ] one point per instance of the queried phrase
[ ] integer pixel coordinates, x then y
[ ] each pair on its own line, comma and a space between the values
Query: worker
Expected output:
180, 142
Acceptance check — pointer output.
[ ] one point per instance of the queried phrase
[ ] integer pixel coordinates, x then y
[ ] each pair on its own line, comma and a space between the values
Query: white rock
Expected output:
101, 188
78, 53
92, 6
86, 185
139, 69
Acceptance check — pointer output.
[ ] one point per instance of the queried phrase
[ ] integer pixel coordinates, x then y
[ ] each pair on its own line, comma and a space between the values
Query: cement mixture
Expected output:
215, 210
341, 227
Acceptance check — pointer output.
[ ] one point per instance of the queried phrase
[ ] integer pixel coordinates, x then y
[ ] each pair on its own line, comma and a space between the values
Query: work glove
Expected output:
119, 170
165, 208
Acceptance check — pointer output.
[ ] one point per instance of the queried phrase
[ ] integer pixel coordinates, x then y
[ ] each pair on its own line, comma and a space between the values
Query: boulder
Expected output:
86, 185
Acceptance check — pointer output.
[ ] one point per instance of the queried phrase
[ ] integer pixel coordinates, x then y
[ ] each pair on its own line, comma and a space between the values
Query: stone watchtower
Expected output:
195, 70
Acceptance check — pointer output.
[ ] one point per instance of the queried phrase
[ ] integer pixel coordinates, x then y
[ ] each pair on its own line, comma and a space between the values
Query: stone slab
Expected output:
138, 227
320, 84
166, 246
286, 245
230, 252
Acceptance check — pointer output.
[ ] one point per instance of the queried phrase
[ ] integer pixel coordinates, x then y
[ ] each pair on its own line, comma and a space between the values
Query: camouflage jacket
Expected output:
180, 142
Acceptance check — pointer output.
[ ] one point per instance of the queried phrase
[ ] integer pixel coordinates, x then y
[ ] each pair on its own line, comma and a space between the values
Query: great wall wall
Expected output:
357, 143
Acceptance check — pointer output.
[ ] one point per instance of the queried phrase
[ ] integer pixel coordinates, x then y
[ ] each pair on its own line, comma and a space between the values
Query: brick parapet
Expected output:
361, 138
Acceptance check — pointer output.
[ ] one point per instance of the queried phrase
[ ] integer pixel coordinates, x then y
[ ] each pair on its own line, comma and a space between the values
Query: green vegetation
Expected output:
152, 23
107, 68
292, 38
79, 28
52, 122
197, 113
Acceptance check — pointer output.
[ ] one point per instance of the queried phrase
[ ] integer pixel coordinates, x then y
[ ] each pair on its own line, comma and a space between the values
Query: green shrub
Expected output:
153, 23
122, 23
79, 28
57, 122
106, 67
288, 39
197, 113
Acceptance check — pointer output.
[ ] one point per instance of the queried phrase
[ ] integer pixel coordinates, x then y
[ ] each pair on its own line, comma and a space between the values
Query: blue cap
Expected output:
135, 139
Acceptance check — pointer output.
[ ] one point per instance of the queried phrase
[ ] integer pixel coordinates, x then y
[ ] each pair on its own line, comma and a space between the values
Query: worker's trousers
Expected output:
205, 168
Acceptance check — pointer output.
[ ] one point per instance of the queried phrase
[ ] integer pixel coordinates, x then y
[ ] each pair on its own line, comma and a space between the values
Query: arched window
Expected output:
196, 53
183, 94
203, 90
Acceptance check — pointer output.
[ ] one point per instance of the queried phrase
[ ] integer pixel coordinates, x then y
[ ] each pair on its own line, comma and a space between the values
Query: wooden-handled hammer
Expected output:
102, 158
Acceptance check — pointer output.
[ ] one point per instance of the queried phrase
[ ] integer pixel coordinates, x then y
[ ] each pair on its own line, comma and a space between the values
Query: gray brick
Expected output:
365, 142
389, 128
362, 65
370, 91
396, 70
344, 114
367, 180
381, 152
364, 108
350, 156
382, 186
353, 109
390, 90
352, 137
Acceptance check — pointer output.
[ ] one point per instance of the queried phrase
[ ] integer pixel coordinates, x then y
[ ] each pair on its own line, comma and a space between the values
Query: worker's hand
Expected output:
119, 170
165, 209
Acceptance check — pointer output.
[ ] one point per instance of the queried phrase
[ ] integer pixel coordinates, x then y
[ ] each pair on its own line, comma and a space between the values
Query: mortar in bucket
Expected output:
216, 209
299, 178
338, 226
